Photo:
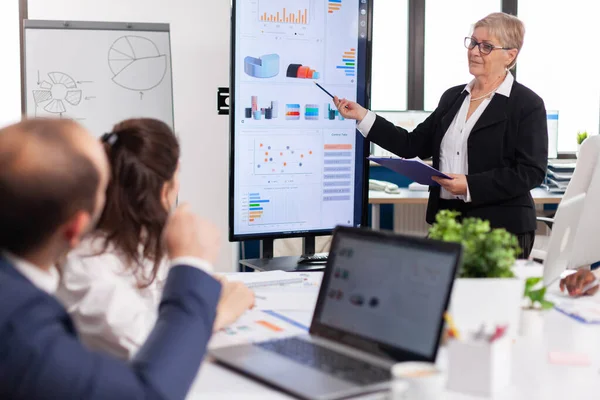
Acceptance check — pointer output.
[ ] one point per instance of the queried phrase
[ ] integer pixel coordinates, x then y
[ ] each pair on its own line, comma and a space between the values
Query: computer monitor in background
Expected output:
297, 168
552, 120
404, 119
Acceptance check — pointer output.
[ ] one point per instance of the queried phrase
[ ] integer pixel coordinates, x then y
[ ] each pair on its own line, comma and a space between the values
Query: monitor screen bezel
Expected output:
368, 344
363, 98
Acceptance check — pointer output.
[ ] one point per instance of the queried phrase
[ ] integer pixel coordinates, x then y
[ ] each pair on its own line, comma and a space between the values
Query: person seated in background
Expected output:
53, 179
576, 283
112, 283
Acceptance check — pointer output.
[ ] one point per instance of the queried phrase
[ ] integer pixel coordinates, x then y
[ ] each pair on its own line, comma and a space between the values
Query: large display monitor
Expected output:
297, 167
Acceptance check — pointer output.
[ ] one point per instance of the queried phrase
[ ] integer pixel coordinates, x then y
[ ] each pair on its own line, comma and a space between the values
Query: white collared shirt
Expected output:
111, 312
43, 279
454, 156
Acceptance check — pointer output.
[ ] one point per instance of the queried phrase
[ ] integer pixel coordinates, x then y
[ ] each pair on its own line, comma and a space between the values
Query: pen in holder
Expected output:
481, 364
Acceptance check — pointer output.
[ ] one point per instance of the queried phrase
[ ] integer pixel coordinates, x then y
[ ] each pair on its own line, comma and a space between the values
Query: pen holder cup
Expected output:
479, 367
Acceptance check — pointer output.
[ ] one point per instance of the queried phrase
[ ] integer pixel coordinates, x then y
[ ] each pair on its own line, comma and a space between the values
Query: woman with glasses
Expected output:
489, 136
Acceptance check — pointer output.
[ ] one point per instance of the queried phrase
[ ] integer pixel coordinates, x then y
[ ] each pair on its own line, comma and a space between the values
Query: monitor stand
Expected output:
267, 262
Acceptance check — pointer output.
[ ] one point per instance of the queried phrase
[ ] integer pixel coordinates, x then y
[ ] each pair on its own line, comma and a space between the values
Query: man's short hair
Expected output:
44, 180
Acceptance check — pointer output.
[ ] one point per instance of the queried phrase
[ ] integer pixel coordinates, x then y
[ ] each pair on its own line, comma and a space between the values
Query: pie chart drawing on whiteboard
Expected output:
136, 63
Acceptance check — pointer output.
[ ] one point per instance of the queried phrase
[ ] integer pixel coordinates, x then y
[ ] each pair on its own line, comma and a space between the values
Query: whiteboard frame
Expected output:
92, 26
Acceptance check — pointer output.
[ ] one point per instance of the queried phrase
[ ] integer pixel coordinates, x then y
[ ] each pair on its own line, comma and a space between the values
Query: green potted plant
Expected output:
581, 136
486, 290
533, 307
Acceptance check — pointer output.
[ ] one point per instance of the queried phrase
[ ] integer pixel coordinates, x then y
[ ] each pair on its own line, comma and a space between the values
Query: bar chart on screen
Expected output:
284, 11
291, 206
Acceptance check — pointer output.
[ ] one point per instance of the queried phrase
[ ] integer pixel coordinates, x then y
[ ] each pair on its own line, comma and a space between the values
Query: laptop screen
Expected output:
389, 290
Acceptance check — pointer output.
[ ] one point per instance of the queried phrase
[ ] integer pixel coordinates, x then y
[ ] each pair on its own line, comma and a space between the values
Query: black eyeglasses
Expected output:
484, 48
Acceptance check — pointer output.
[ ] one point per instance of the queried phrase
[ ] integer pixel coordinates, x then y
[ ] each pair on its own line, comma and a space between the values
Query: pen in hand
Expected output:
325, 90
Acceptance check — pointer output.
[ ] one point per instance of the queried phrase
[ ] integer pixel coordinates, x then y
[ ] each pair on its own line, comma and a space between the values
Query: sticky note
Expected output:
567, 358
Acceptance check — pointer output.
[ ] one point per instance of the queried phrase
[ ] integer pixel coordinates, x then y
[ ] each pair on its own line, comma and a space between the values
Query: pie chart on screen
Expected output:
136, 63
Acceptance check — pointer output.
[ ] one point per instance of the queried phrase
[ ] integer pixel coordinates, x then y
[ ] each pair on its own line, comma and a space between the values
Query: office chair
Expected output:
586, 179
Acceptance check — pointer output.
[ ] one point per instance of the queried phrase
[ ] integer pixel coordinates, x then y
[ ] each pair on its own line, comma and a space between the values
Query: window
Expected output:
390, 55
10, 101
446, 25
559, 62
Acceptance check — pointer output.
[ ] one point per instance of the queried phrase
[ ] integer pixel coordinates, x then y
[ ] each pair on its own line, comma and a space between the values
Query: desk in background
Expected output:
406, 196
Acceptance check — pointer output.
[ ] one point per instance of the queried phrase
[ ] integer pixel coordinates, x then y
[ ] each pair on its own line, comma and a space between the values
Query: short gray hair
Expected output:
507, 28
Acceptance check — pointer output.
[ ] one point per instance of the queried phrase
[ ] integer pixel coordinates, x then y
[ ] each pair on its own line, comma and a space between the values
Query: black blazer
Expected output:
507, 154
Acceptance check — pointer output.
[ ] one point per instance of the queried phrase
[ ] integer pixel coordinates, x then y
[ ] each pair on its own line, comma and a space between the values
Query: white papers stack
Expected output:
585, 309
254, 326
278, 290
290, 300
263, 279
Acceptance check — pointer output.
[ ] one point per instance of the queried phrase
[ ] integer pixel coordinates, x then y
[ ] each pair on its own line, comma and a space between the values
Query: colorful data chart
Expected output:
283, 156
348, 63
311, 112
257, 113
302, 72
332, 113
337, 180
256, 206
284, 11
267, 66
292, 111
334, 5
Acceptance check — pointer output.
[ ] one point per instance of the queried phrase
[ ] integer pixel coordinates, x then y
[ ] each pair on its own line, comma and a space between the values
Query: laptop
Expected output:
562, 251
381, 301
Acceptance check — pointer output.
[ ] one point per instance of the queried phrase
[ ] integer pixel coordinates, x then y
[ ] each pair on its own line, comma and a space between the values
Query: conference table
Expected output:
406, 196
533, 376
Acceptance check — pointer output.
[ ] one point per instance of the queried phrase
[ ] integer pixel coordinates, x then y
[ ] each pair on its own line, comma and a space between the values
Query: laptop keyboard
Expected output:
327, 361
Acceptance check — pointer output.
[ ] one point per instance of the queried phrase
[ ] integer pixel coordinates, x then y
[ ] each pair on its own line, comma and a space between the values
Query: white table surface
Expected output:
533, 377
407, 196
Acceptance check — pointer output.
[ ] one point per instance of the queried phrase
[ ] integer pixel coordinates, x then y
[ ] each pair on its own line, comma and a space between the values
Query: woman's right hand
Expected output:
349, 109
235, 300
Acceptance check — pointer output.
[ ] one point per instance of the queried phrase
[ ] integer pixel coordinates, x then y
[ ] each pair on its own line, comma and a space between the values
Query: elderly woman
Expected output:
490, 135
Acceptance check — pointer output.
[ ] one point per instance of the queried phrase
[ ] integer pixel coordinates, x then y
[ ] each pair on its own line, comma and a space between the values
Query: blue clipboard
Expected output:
412, 168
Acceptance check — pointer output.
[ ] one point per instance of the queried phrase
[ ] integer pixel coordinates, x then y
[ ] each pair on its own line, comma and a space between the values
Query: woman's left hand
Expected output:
457, 185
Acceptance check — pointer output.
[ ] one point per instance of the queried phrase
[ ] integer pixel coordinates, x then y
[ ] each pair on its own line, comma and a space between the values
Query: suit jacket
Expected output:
507, 154
41, 357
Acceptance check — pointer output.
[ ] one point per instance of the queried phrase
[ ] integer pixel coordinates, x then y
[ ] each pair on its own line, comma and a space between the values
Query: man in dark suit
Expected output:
53, 177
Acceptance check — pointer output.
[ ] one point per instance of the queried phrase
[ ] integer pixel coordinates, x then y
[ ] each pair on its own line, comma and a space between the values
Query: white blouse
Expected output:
453, 149
110, 311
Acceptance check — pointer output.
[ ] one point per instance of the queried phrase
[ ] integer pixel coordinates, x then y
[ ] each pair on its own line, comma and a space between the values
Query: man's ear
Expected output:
76, 227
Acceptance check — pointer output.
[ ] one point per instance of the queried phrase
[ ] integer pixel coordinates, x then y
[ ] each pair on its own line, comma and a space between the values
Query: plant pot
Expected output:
489, 301
577, 151
532, 322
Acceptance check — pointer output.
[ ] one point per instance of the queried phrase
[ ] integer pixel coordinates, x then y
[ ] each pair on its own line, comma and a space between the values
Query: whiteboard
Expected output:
98, 73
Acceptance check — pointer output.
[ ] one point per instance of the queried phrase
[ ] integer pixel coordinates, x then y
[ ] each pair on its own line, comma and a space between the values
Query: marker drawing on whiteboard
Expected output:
136, 63
56, 94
